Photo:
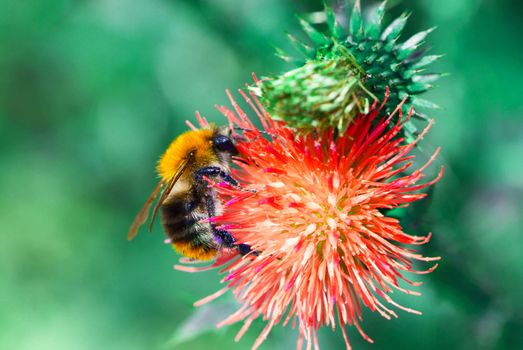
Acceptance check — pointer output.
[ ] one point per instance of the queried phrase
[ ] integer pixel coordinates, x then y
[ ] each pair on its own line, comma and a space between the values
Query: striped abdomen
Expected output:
180, 219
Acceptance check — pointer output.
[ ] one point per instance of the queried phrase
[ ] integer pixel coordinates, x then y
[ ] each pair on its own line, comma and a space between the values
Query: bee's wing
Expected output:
142, 215
169, 187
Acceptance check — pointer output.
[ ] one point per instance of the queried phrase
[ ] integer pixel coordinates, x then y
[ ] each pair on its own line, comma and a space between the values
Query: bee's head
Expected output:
224, 143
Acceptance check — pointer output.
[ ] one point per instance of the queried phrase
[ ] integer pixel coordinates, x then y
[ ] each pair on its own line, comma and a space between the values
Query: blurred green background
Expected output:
91, 92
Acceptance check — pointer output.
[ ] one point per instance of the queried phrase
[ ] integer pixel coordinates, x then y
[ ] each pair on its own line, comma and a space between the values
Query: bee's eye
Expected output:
224, 144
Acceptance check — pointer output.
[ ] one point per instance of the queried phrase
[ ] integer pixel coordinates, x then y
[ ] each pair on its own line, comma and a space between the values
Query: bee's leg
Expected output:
224, 236
245, 249
229, 241
214, 171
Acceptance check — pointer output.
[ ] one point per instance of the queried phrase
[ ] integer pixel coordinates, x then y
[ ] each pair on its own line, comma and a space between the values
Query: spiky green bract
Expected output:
318, 94
343, 66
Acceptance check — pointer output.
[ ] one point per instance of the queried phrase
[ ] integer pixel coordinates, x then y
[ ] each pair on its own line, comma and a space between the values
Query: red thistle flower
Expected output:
309, 207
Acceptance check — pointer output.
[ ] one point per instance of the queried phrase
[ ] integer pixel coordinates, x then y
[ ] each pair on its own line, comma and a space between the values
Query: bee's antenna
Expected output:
260, 131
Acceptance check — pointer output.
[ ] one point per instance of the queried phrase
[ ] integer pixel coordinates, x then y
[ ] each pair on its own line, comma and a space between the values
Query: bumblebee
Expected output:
187, 199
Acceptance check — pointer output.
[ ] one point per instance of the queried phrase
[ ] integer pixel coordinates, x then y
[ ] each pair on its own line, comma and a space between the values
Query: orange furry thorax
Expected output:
193, 140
